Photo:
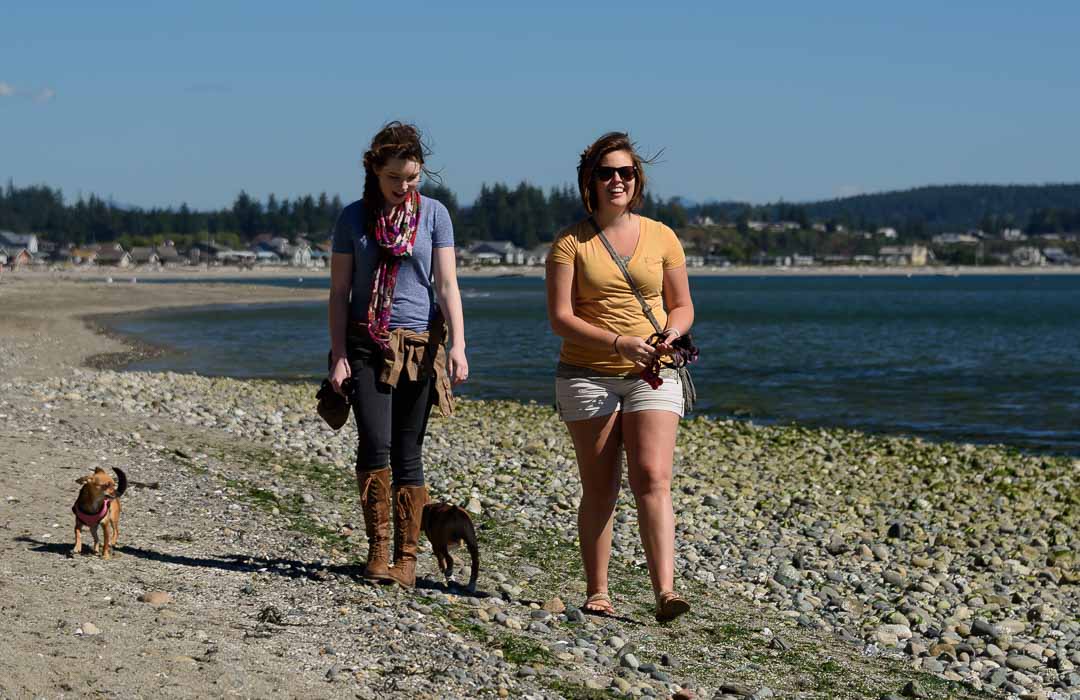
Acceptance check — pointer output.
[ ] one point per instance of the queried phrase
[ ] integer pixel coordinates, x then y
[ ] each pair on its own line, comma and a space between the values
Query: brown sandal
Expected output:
670, 605
599, 604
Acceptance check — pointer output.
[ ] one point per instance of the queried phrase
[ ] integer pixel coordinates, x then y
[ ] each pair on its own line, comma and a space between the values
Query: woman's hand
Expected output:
634, 349
667, 337
339, 372
458, 366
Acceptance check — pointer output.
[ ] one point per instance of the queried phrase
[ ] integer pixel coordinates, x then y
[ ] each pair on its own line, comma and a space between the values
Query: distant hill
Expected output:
932, 209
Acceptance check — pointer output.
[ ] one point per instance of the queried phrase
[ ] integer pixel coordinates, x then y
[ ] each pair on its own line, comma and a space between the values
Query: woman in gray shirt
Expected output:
393, 255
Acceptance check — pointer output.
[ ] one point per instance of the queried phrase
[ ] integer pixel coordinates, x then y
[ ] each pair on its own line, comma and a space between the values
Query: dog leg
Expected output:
474, 555
77, 549
97, 545
449, 566
440, 558
107, 535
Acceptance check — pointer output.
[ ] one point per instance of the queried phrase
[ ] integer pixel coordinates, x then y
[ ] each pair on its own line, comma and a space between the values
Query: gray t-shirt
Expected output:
414, 295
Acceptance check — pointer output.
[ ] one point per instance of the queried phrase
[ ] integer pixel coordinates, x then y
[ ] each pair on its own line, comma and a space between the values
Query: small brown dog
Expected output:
99, 503
447, 527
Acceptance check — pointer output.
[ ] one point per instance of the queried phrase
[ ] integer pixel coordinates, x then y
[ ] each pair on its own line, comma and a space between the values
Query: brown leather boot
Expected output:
409, 504
375, 502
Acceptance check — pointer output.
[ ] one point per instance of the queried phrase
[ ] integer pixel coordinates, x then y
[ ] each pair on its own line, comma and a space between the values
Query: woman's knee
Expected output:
372, 452
408, 470
599, 500
647, 480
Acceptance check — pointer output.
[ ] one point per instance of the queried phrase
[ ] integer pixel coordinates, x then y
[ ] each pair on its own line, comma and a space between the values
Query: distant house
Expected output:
14, 241
113, 256
802, 260
320, 258
914, 255
955, 239
144, 255
836, 259
244, 258
265, 253
773, 226
1013, 234
301, 255
695, 260
168, 255
21, 257
3, 256
201, 252
887, 232
280, 245
1056, 256
61, 255
496, 252
538, 255
83, 256
1027, 255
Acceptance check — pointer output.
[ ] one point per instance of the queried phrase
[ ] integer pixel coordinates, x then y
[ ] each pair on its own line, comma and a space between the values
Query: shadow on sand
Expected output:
289, 568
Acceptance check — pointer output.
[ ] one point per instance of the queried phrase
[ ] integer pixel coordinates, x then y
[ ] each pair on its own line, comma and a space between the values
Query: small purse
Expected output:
332, 407
687, 351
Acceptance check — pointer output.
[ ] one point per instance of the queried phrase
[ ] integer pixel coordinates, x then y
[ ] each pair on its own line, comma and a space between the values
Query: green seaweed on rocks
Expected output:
520, 649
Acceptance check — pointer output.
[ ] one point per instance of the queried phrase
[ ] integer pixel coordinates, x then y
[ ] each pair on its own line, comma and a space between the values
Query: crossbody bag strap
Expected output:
626, 274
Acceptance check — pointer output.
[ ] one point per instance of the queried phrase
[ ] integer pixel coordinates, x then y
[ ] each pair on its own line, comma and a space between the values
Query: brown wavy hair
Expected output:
394, 140
591, 157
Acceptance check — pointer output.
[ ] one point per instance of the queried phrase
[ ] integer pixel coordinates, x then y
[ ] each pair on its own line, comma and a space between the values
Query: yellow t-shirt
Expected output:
601, 295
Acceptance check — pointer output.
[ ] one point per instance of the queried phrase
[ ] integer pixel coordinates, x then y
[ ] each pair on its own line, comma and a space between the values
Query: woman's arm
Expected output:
341, 271
679, 305
565, 324
446, 285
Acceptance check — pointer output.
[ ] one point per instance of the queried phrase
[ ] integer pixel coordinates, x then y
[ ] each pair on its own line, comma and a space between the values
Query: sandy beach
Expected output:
821, 563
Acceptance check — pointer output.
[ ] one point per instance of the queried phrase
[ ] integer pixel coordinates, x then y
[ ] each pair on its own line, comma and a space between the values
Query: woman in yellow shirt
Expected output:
600, 393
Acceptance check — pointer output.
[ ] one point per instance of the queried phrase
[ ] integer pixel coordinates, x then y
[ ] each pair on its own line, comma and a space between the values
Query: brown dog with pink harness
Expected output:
98, 503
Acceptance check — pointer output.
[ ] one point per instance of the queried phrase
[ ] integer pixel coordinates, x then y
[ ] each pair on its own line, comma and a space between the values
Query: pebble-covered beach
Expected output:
821, 563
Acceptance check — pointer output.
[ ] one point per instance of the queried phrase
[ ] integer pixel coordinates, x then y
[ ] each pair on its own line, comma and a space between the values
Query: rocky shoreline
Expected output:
821, 563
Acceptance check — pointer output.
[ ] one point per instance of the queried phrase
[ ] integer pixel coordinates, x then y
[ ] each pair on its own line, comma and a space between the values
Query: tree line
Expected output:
923, 211
527, 215
41, 209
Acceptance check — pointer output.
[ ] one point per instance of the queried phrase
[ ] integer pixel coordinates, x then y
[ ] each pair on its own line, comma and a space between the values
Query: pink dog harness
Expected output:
91, 520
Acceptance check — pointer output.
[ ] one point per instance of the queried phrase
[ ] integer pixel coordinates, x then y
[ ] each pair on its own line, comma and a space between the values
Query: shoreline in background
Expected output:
122, 275
209, 348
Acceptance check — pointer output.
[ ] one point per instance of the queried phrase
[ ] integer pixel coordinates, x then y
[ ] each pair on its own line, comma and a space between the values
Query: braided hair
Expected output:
394, 140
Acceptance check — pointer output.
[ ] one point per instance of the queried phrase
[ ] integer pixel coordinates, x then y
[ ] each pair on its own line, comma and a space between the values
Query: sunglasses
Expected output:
606, 172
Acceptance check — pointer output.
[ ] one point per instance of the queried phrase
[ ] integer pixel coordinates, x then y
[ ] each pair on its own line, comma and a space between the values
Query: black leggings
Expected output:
390, 421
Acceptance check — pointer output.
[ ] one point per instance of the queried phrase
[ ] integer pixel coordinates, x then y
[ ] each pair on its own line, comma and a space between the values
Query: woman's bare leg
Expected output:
650, 448
597, 443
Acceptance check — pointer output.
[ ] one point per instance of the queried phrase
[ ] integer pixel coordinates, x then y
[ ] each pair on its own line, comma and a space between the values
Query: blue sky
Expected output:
155, 103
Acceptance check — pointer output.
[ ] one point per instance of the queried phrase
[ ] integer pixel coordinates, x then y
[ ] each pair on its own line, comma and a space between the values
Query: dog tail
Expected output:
474, 554
122, 479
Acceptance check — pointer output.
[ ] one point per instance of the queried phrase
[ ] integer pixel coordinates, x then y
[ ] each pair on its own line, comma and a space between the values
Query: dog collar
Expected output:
90, 520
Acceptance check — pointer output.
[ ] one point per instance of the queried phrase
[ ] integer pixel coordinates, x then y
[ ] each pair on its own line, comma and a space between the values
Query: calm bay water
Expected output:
973, 358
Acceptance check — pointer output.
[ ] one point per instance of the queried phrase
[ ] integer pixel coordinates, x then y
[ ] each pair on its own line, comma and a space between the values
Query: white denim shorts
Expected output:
581, 398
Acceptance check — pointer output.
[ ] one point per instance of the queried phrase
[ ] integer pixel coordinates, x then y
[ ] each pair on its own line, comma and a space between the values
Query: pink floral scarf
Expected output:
395, 233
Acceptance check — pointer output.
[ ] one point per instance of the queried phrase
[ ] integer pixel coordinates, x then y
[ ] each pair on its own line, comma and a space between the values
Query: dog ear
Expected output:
98, 470
82, 480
